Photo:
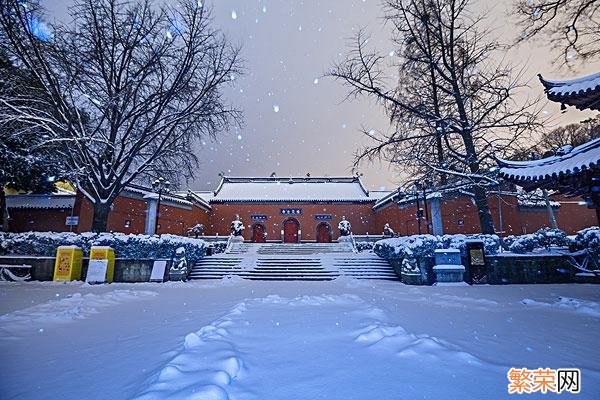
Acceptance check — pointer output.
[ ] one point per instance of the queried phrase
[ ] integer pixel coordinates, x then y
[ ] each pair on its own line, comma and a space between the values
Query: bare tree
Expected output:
569, 135
128, 86
451, 104
571, 26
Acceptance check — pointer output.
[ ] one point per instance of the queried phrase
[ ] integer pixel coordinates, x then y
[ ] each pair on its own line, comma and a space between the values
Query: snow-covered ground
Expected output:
239, 339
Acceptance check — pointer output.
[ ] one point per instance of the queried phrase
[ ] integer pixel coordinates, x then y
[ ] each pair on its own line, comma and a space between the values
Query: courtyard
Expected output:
341, 339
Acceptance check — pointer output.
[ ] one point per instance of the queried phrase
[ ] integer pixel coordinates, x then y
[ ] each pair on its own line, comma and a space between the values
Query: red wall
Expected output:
360, 216
35, 219
128, 215
177, 220
459, 215
124, 209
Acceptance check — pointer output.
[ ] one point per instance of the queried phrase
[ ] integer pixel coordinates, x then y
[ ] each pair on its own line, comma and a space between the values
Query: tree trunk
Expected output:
3, 210
549, 210
483, 210
100, 221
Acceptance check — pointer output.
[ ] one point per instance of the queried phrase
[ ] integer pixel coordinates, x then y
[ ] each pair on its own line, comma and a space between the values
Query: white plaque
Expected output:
158, 271
96, 272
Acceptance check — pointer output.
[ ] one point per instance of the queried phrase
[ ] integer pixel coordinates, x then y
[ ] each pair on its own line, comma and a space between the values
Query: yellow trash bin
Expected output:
67, 266
105, 253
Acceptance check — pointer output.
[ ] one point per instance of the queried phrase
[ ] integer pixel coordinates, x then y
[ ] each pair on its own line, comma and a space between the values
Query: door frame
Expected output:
330, 229
264, 231
283, 229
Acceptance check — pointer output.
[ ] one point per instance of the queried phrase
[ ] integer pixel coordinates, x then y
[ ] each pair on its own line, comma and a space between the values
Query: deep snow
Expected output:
343, 339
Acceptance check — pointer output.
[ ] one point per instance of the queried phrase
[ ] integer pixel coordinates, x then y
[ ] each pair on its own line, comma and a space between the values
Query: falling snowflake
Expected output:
276, 108
316, 81
233, 15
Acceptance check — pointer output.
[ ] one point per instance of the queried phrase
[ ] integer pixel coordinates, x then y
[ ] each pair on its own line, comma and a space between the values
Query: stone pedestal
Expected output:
236, 239
448, 269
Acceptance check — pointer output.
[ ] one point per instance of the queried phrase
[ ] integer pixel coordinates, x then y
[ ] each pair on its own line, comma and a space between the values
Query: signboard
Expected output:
476, 270
158, 271
290, 211
259, 217
108, 254
67, 266
323, 217
72, 221
96, 272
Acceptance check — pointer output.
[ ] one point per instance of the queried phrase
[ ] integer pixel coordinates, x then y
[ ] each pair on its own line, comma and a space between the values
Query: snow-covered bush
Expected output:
416, 246
364, 246
589, 239
125, 246
491, 243
541, 239
145, 246
218, 247
42, 243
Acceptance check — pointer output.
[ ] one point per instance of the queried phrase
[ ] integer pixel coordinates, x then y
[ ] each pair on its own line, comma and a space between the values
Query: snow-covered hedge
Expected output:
418, 246
364, 246
125, 246
491, 243
407, 246
541, 239
588, 239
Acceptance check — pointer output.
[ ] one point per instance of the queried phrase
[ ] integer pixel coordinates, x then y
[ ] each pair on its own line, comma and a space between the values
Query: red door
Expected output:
323, 233
290, 231
258, 233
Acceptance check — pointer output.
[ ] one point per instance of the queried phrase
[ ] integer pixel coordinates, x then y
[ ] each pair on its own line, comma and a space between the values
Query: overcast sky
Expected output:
295, 120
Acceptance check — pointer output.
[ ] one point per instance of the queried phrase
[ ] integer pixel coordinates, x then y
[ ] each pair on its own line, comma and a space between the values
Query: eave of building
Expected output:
582, 93
296, 201
539, 172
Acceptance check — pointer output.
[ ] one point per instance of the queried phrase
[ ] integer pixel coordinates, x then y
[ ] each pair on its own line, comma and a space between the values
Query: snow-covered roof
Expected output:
399, 197
583, 92
379, 194
581, 158
43, 201
290, 189
173, 197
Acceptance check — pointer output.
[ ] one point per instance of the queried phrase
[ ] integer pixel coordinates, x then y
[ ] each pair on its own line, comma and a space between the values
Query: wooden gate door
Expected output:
290, 231
323, 233
258, 233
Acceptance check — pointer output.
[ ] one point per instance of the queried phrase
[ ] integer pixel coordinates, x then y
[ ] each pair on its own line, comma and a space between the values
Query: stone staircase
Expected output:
289, 262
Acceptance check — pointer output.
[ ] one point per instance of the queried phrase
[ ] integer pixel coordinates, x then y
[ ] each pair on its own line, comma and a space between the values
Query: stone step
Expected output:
290, 262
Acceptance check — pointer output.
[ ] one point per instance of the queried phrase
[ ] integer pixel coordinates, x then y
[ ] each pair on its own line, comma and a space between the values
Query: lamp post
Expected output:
159, 186
416, 188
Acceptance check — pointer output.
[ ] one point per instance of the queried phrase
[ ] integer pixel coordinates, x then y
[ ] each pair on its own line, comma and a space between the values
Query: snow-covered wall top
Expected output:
309, 189
45, 201
582, 157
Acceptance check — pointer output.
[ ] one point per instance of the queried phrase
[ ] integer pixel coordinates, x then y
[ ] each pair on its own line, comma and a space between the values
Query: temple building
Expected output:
297, 209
